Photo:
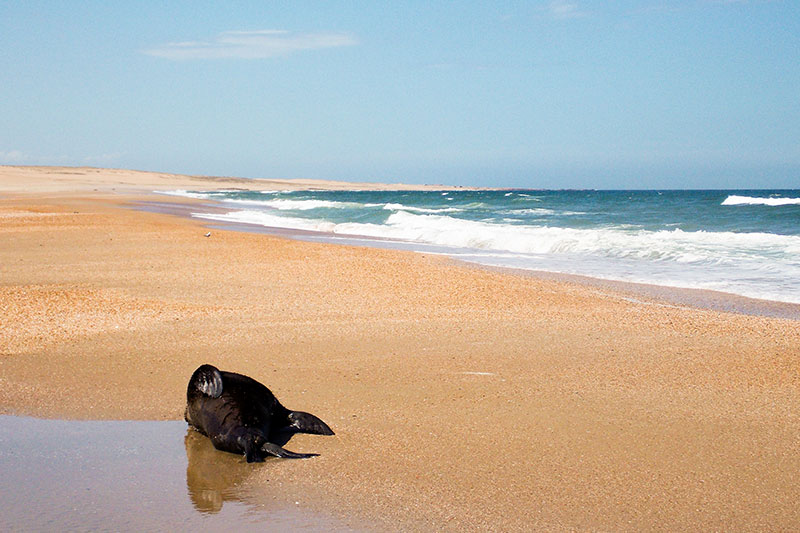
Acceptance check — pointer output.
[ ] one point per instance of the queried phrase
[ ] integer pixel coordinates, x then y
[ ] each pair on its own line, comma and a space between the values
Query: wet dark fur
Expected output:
240, 415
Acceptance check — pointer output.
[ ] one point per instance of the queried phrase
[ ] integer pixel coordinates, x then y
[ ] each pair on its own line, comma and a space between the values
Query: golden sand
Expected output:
32, 179
462, 399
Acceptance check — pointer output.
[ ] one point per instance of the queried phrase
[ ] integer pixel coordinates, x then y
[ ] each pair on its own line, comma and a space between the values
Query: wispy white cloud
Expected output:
251, 45
563, 9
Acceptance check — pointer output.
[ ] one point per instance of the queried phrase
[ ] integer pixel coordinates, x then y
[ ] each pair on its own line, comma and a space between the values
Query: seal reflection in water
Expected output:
240, 415
213, 478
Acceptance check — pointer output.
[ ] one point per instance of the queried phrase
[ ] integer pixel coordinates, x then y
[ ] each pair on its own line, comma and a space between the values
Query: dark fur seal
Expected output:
240, 415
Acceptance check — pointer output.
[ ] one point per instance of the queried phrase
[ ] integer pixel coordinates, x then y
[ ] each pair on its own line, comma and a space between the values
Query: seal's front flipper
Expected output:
250, 441
208, 380
277, 451
254, 455
308, 423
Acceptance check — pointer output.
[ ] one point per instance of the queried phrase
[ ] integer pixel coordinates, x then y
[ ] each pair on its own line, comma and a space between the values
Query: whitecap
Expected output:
295, 205
529, 211
401, 207
749, 200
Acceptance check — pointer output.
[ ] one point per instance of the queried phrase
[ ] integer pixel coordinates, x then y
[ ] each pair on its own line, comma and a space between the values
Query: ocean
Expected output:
741, 242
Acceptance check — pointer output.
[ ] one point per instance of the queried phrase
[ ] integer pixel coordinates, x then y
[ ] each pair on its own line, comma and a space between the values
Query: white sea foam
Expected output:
698, 247
186, 194
262, 218
278, 203
748, 200
530, 211
295, 205
761, 265
673, 245
401, 207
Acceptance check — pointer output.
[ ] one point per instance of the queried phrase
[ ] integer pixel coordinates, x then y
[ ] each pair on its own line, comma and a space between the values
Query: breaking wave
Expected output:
698, 247
748, 200
678, 238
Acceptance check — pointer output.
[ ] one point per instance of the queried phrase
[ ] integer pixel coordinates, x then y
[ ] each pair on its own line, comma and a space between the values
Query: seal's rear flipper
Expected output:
277, 451
207, 380
308, 423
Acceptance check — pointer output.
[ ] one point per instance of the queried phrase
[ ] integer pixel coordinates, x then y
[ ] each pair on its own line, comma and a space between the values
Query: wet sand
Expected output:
63, 475
462, 398
634, 292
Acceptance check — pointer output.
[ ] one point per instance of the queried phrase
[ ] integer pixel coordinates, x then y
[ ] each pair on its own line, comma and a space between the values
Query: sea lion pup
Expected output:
240, 415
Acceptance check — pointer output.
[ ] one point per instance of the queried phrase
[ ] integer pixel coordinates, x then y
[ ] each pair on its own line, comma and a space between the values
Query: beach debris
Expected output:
208, 234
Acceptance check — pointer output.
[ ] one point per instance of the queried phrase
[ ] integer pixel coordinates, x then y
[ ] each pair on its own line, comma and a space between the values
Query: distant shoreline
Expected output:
66, 178
31, 179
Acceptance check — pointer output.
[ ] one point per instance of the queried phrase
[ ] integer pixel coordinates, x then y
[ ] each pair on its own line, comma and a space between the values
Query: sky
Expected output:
539, 94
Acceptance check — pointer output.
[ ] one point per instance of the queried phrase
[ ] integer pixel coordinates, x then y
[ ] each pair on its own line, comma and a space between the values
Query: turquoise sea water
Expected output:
741, 242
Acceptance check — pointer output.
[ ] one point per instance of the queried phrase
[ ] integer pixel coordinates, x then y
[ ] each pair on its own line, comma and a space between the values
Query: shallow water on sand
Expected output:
63, 475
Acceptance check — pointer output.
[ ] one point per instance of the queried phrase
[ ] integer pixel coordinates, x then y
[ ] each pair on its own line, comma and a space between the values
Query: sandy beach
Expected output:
462, 398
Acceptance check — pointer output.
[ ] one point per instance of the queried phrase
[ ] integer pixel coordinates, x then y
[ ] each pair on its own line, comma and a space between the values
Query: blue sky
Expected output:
570, 93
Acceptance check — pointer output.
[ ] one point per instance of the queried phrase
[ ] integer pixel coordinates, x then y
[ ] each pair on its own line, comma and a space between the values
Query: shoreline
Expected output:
656, 294
462, 398
21, 179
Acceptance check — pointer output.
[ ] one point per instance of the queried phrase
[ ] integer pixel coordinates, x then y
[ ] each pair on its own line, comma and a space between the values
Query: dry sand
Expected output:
461, 398
32, 179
